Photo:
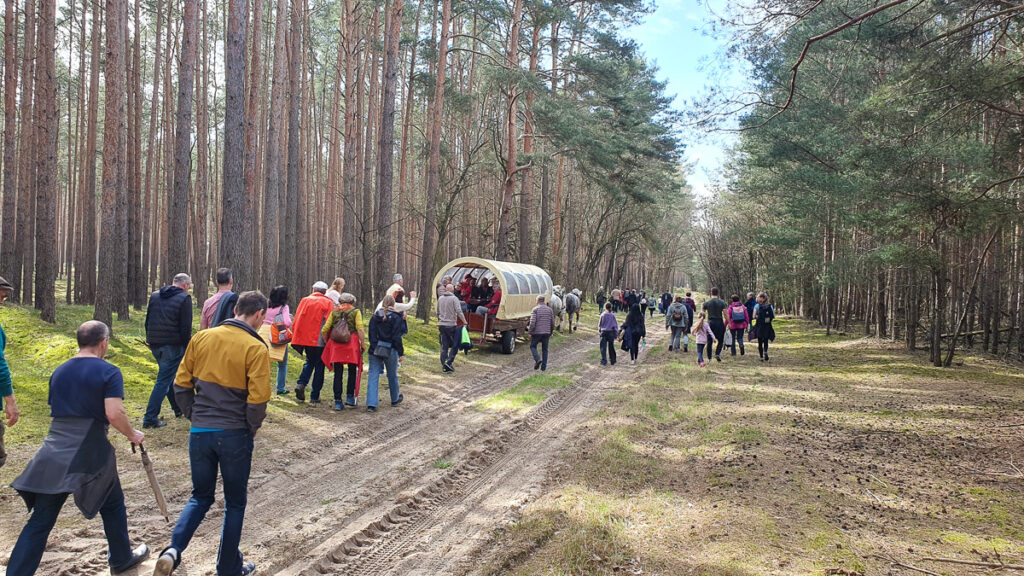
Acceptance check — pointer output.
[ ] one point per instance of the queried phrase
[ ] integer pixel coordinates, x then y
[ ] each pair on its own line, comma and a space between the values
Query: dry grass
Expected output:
833, 454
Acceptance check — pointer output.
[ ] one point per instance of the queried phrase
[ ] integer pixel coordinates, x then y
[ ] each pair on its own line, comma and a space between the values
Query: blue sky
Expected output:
675, 38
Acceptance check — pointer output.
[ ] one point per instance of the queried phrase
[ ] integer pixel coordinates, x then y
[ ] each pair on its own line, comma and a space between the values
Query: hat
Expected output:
5, 285
320, 285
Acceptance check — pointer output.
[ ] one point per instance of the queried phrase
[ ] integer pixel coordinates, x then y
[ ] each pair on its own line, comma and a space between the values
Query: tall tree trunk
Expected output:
178, 203
254, 121
502, 247
545, 206
386, 149
236, 221
403, 162
201, 268
526, 195
46, 161
114, 151
9, 235
434, 168
136, 274
288, 254
349, 168
85, 261
274, 184
24, 249
151, 176
366, 292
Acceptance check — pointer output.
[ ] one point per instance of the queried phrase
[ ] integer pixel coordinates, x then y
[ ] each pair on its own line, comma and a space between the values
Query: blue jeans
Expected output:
282, 372
700, 352
377, 365
28, 551
231, 450
607, 346
737, 337
543, 340
168, 356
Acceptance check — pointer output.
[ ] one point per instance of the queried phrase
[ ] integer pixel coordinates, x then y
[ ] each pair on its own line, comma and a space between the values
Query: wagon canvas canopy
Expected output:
520, 283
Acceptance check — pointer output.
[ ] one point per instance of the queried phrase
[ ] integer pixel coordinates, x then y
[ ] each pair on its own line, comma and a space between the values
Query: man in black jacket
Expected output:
168, 330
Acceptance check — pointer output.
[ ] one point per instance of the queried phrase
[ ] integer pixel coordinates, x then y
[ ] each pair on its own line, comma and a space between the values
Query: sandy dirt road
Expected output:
357, 493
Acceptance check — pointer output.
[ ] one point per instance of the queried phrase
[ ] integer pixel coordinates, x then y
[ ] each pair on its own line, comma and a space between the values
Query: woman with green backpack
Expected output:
343, 333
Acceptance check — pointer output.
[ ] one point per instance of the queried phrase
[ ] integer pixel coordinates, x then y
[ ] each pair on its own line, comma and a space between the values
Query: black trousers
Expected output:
449, 347
339, 375
717, 326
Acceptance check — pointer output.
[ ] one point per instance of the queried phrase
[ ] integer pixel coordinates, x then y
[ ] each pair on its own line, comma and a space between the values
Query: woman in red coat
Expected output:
337, 355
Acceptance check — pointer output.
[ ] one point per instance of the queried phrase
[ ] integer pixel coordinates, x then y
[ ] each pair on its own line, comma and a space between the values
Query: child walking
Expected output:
702, 332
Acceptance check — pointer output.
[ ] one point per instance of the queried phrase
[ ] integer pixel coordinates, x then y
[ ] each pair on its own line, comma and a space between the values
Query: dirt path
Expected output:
364, 494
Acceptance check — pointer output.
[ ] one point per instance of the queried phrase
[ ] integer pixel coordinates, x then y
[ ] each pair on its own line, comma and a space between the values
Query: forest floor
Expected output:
841, 456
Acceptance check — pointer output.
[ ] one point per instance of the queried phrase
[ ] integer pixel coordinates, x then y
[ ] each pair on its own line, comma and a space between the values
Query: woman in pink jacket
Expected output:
739, 319
705, 337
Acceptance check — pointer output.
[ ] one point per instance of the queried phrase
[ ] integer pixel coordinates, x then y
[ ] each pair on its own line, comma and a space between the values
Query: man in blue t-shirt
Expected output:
86, 396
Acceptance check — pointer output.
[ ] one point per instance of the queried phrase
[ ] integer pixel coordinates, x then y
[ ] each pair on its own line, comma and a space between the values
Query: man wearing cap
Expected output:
309, 319
168, 330
449, 314
542, 324
6, 385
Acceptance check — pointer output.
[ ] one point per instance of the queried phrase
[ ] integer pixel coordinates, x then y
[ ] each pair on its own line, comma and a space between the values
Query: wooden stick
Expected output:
899, 564
980, 564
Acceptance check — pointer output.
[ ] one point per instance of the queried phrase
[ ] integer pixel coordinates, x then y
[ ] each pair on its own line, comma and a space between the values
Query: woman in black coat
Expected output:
763, 329
633, 331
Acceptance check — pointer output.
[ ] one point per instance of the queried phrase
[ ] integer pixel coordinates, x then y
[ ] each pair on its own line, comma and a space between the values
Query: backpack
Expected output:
739, 314
677, 316
340, 332
279, 333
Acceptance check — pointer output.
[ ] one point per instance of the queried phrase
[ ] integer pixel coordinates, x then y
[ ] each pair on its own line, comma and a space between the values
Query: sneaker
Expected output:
604, 363
314, 400
701, 364
179, 414
536, 364
446, 368
167, 562
399, 401
248, 568
765, 357
354, 402
138, 555
283, 391
718, 358
338, 406
300, 393
743, 352
157, 424
371, 408
632, 362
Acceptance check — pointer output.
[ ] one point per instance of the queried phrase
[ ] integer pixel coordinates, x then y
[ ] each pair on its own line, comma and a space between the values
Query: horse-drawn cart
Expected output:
520, 285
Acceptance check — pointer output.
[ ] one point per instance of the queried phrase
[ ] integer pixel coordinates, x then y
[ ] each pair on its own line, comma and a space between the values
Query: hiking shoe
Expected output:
300, 393
157, 424
718, 358
338, 406
371, 408
352, 402
743, 352
314, 400
536, 364
138, 555
167, 562
399, 401
248, 568
765, 357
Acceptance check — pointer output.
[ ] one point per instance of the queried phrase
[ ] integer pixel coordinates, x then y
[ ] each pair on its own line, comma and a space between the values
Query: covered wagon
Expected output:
520, 285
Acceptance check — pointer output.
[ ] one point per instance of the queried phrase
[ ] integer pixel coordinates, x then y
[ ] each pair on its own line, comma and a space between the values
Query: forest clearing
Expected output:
840, 454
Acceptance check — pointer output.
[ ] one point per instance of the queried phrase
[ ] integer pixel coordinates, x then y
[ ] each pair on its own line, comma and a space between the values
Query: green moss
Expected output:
525, 395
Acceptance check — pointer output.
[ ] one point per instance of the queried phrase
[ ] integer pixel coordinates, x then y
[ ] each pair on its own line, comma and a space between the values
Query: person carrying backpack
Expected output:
338, 353
763, 327
677, 318
276, 331
739, 319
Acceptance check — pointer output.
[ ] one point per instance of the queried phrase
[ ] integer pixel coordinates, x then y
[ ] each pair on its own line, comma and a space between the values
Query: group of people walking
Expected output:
752, 319
219, 379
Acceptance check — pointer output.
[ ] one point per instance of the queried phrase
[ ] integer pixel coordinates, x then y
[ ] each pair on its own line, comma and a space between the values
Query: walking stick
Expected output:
147, 464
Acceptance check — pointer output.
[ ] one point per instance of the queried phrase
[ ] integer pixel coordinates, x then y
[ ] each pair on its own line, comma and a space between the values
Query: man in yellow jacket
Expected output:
222, 386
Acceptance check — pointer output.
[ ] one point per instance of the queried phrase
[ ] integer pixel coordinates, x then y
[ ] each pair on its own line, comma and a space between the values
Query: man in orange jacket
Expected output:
310, 316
